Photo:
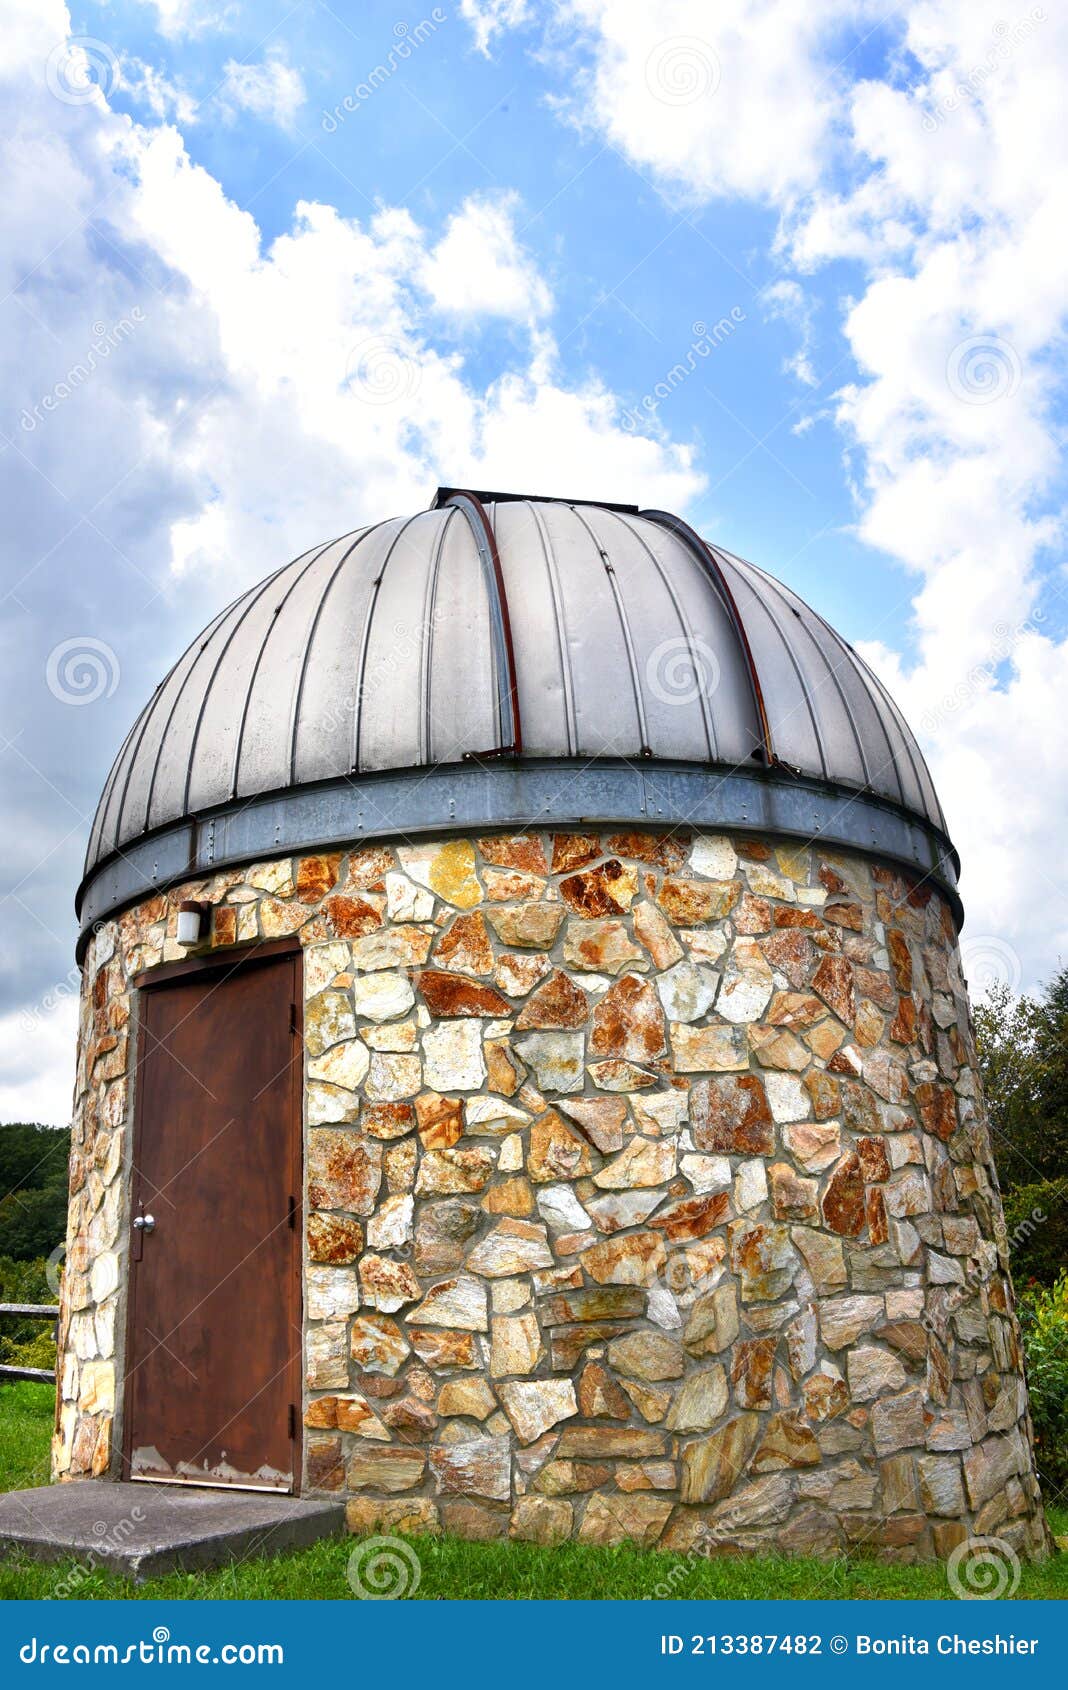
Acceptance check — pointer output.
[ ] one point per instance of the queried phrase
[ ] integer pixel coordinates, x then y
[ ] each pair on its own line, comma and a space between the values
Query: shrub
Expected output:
1036, 1217
26, 1343
1043, 1314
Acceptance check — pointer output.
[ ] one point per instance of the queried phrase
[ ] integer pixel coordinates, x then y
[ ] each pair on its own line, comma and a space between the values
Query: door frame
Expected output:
232, 960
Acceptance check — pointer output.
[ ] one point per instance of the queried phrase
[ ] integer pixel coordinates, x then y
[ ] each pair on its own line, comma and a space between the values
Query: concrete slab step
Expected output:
144, 1530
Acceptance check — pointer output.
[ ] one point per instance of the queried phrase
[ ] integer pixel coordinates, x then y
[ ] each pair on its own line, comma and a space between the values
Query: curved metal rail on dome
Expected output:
706, 557
500, 624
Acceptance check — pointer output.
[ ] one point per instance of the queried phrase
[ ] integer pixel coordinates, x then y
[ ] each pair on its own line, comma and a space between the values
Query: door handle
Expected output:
145, 1223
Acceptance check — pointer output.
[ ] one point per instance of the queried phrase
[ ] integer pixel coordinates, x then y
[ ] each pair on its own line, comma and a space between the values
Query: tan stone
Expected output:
635, 1258
557, 1151
558, 1003
700, 1401
650, 1356
515, 1345
711, 1465
730, 1114
479, 1467
468, 1397
387, 1285
638, 1519
438, 1349
601, 947
601, 1120
541, 1519
458, 1302
316, 876
513, 1246
393, 1469
440, 1120
377, 1344
687, 902
454, 1170
333, 1238
652, 931
628, 1022
708, 1050
344, 1170
642, 1162
465, 946
533, 1405
527, 926
843, 1197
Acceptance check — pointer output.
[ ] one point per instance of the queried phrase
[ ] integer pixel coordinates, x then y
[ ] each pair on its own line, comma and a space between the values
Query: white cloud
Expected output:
272, 90
269, 396
37, 1062
740, 98
946, 182
478, 268
178, 18
490, 17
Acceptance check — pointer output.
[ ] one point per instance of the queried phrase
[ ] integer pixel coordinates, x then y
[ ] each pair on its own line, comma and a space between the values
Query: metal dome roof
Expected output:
506, 661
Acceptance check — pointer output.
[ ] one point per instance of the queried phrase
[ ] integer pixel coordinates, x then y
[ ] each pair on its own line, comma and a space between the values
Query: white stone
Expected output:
393, 1077
556, 1059
381, 997
687, 991
332, 1292
391, 1226
453, 1056
706, 1173
661, 1113
787, 1098
750, 1184
459, 1302
747, 984
714, 857
321, 963
533, 1405
405, 901
662, 1309
561, 1209
705, 944
324, 1104
104, 1275
510, 1160
343, 1065
492, 1116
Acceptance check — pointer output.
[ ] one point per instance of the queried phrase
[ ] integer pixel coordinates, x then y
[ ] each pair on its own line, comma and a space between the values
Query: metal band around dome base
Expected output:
473, 798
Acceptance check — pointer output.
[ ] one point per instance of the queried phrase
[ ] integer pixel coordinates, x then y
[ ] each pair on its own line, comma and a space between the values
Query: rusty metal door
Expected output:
213, 1338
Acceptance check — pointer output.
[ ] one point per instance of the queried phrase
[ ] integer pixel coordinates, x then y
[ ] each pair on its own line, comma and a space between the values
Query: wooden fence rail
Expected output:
29, 1311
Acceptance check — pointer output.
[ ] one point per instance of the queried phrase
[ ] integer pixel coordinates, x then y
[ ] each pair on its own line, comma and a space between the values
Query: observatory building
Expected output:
526, 1084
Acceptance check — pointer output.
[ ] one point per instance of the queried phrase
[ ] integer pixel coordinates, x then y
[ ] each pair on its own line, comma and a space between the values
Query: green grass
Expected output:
452, 1568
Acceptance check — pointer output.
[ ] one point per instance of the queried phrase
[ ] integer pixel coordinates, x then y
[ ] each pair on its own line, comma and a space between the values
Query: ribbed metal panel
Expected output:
518, 628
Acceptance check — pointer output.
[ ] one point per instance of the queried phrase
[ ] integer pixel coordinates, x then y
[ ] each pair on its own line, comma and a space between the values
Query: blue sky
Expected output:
237, 317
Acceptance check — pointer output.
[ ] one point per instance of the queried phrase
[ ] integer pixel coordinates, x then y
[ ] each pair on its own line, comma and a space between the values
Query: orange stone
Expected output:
574, 850
519, 851
455, 994
628, 1022
557, 1003
351, 918
606, 890
316, 876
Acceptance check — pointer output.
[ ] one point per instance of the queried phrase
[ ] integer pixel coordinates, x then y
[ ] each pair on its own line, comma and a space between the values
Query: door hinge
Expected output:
292, 1213
293, 1018
292, 1422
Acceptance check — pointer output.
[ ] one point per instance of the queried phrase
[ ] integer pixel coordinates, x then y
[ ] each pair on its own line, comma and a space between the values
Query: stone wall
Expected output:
649, 1196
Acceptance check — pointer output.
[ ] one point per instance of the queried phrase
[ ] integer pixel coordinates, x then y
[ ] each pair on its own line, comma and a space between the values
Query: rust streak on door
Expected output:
214, 1330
